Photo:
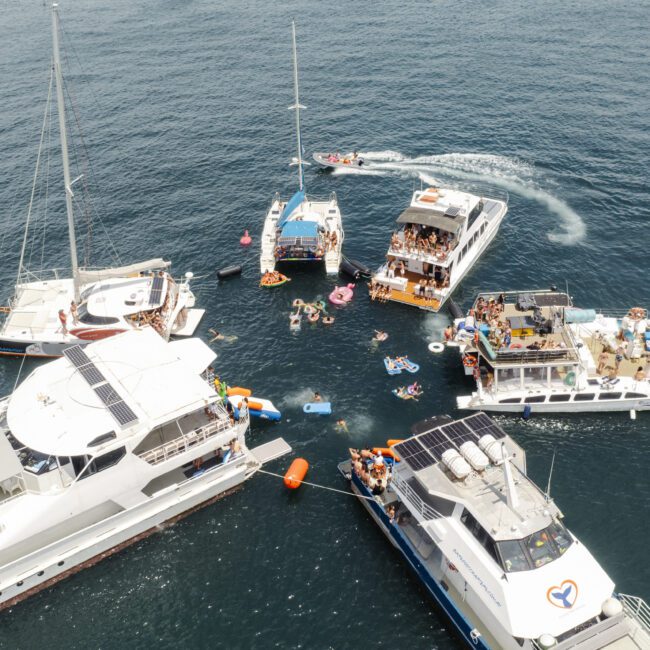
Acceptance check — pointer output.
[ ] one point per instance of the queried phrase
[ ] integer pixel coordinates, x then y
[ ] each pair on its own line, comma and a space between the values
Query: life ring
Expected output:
469, 361
515, 346
298, 303
313, 318
436, 347
328, 320
310, 309
570, 378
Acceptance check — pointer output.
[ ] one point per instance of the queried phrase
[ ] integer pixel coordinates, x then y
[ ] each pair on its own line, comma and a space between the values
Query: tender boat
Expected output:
302, 229
108, 301
102, 446
438, 239
535, 351
490, 547
337, 161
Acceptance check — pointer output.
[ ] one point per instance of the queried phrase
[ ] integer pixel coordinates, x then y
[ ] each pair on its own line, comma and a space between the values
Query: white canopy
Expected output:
88, 276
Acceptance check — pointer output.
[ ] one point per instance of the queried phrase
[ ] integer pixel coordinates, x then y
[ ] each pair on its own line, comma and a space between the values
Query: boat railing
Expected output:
180, 445
636, 608
613, 313
414, 498
524, 356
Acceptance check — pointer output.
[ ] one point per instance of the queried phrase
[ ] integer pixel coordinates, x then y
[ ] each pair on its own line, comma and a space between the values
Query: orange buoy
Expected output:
393, 441
386, 451
238, 390
296, 473
255, 406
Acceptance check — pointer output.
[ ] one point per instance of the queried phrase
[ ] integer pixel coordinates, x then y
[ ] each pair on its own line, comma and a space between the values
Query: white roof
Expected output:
55, 411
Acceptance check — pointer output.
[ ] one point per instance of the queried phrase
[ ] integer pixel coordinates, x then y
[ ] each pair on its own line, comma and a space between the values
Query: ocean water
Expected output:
183, 108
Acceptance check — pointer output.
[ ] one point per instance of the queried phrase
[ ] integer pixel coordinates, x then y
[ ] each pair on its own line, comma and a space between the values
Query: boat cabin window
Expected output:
510, 400
634, 395
535, 399
583, 397
87, 318
482, 536
37, 463
609, 395
99, 463
562, 397
536, 550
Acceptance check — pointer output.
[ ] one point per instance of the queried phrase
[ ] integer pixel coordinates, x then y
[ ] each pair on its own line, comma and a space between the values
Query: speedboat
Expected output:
301, 229
438, 239
490, 547
101, 447
337, 161
40, 319
533, 351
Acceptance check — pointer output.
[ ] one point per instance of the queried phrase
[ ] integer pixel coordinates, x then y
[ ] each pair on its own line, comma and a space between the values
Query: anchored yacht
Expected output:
534, 350
41, 320
302, 229
491, 548
100, 447
438, 239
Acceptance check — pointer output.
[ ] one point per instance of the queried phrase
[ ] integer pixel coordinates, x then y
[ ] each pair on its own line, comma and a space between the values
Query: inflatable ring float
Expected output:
313, 318
298, 303
328, 320
436, 347
309, 309
469, 361
515, 346
320, 305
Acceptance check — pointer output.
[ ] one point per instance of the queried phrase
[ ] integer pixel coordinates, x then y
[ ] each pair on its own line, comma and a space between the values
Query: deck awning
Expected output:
432, 218
86, 276
303, 233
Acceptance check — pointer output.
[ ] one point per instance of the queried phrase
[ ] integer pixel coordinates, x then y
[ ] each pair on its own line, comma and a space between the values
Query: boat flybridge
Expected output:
491, 548
301, 229
534, 350
438, 239
102, 446
40, 319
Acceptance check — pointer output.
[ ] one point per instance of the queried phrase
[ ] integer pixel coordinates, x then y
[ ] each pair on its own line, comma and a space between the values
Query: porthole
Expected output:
40, 573
20, 584
61, 563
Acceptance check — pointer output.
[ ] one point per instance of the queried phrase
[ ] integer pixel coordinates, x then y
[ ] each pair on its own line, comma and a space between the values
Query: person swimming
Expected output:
342, 425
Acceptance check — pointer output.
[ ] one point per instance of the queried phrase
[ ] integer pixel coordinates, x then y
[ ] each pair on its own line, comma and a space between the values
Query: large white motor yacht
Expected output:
102, 446
302, 229
438, 239
40, 320
534, 351
490, 547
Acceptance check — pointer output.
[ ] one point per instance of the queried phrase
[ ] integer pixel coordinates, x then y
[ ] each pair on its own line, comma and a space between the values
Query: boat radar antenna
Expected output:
296, 106
64, 149
550, 474
512, 498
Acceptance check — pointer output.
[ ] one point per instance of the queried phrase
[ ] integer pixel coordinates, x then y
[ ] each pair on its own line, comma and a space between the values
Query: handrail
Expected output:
414, 498
636, 608
180, 445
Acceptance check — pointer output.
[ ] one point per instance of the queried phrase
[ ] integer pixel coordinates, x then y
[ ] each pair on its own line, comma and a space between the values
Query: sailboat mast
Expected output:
64, 149
297, 106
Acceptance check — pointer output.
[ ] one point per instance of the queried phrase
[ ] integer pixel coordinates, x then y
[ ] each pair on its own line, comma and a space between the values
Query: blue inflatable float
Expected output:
319, 408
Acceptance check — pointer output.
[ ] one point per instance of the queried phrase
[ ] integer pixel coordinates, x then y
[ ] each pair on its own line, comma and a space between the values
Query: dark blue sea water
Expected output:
183, 107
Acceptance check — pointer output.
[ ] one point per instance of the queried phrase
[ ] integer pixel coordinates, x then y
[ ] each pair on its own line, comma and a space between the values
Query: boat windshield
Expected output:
87, 318
536, 550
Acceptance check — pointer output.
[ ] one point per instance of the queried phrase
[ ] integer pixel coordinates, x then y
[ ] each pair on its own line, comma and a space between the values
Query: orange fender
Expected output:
393, 441
255, 406
238, 390
296, 473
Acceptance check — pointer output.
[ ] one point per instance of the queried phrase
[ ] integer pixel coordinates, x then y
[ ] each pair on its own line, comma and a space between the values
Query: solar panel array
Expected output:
426, 449
118, 408
156, 290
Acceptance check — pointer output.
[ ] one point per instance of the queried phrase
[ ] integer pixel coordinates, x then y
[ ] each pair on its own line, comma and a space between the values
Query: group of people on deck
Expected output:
422, 240
379, 291
371, 469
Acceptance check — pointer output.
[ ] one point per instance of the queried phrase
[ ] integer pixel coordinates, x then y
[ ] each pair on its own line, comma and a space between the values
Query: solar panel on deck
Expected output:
122, 413
107, 394
459, 432
421, 461
436, 442
156, 290
92, 374
408, 448
76, 356
414, 454
481, 424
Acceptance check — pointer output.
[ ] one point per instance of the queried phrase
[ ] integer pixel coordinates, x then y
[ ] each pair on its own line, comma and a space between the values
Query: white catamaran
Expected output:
490, 547
41, 320
301, 229
99, 448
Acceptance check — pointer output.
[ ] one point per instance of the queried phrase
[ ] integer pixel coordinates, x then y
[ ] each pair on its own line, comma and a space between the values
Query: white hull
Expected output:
46, 566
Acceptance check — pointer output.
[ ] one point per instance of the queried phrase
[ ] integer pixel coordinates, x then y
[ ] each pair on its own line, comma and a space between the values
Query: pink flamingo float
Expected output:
246, 239
342, 295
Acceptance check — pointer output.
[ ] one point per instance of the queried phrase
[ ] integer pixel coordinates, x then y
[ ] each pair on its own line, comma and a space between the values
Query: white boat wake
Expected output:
511, 174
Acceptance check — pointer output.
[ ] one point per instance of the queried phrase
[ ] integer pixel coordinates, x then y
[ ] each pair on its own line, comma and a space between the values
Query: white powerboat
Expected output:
438, 239
490, 547
99, 448
40, 319
302, 229
339, 161
534, 351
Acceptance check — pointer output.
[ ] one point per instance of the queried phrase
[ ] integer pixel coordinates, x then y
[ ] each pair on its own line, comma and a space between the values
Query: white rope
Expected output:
19, 372
323, 487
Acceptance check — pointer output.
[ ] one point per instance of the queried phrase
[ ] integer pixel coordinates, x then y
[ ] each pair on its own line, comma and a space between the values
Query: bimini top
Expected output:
299, 232
126, 384
449, 221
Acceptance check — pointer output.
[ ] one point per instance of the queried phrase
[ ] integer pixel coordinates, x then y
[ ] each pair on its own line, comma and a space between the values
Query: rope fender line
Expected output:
323, 487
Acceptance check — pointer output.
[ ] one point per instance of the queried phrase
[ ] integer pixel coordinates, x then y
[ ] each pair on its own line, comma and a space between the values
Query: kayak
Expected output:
346, 161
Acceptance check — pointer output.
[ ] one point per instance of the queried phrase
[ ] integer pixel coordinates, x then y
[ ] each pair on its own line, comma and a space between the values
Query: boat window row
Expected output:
522, 377
479, 232
526, 554
568, 397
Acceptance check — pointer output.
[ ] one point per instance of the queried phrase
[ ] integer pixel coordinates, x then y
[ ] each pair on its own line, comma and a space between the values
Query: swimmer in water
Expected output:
380, 335
342, 425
